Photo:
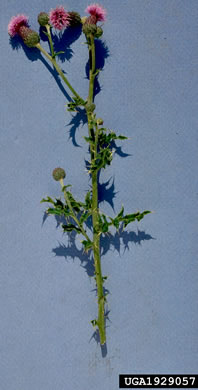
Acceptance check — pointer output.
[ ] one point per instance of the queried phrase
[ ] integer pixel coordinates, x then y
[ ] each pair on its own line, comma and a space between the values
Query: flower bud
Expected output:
74, 19
90, 107
58, 174
99, 32
89, 28
30, 37
43, 18
100, 121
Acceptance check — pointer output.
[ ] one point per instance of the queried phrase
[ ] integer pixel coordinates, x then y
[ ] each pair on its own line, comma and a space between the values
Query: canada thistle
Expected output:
76, 213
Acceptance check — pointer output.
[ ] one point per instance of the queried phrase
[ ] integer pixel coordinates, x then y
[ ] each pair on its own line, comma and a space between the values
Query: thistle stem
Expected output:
95, 210
48, 28
58, 69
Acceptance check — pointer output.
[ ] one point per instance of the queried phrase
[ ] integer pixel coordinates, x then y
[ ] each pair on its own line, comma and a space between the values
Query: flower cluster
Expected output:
58, 18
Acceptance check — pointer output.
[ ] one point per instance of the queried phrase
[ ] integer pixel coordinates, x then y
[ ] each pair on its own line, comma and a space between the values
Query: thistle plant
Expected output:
99, 141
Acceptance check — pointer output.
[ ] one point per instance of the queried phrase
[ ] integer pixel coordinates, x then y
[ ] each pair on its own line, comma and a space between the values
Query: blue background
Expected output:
149, 93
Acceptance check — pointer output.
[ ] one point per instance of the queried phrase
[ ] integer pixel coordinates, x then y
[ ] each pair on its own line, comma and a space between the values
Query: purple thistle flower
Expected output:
15, 23
59, 18
98, 11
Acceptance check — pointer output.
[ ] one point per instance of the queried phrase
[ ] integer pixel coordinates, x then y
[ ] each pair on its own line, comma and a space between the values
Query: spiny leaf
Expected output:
89, 140
136, 216
103, 224
122, 137
94, 323
48, 200
59, 203
54, 211
64, 188
87, 245
104, 278
88, 201
120, 215
84, 217
75, 204
70, 227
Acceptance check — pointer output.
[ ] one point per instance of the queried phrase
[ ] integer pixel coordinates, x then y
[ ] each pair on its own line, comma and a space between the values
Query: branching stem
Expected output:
58, 69
94, 176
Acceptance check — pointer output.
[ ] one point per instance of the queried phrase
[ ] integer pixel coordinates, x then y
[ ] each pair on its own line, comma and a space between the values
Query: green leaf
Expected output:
104, 278
54, 211
64, 188
103, 224
88, 201
87, 245
59, 203
136, 216
44, 32
58, 52
121, 137
94, 323
89, 140
48, 200
120, 215
76, 205
84, 217
70, 227
106, 139
115, 222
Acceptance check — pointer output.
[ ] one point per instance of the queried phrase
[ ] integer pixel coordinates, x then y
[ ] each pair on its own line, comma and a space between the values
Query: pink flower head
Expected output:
97, 11
59, 18
15, 23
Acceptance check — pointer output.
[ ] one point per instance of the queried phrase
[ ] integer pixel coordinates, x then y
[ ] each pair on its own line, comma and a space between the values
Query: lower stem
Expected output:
97, 260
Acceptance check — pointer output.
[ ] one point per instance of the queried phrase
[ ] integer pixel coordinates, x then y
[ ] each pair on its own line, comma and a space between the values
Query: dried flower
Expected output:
58, 174
74, 19
30, 37
59, 18
97, 11
15, 23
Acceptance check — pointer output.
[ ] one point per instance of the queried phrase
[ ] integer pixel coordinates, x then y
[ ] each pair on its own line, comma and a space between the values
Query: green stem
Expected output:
48, 28
73, 212
92, 61
58, 69
95, 209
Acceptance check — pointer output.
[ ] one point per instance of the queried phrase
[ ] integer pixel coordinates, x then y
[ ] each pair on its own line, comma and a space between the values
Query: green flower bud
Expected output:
74, 19
30, 37
58, 174
90, 107
100, 121
43, 18
89, 28
99, 32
